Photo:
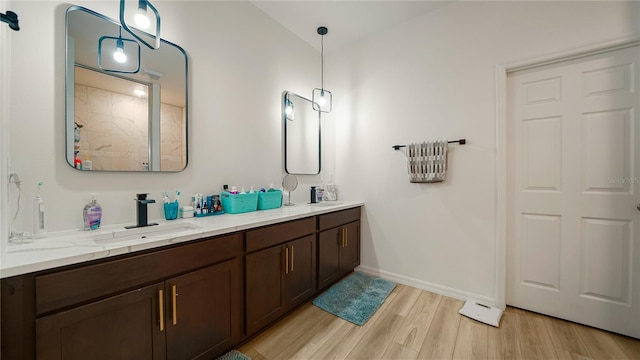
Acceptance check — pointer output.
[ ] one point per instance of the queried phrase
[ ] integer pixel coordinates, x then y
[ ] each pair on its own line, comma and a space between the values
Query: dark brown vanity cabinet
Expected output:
125, 326
180, 303
188, 301
280, 270
338, 245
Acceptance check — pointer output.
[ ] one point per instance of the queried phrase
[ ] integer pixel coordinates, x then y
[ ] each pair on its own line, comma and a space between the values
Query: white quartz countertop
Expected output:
77, 246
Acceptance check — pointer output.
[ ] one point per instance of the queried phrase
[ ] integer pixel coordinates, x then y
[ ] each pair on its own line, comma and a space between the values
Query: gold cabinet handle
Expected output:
291, 258
161, 309
174, 303
286, 260
346, 237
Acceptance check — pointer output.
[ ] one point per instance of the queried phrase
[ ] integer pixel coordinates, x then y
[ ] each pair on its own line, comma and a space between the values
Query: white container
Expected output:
38, 215
185, 212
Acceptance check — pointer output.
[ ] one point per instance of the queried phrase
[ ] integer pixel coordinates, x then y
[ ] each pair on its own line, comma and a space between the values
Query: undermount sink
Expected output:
155, 231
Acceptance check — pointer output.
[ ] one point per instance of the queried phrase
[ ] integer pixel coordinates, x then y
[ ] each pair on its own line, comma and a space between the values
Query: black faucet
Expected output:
10, 18
141, 211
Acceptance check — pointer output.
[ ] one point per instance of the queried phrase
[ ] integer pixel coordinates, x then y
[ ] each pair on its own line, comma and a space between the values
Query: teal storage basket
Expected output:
269, 200
238, 203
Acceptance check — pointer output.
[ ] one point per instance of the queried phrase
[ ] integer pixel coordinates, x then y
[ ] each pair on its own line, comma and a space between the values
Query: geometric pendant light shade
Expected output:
321, 97
118, 55
138, 18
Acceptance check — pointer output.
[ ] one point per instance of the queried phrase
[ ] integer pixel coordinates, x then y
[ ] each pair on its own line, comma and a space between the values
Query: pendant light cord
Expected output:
322, 62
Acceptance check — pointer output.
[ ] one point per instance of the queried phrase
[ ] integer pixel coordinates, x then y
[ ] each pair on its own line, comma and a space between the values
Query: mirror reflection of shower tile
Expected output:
99, 101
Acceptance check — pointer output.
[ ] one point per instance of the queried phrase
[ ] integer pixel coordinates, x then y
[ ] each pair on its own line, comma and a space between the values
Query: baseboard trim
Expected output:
427, 286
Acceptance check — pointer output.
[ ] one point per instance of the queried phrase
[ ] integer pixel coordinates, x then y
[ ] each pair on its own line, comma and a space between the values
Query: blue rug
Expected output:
234, 355
355, 298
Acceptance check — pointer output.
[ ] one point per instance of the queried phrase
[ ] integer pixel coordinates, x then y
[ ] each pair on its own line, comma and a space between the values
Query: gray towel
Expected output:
427, 161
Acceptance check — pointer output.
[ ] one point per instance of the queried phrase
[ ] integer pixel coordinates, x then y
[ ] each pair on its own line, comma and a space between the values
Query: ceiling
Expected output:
347, 21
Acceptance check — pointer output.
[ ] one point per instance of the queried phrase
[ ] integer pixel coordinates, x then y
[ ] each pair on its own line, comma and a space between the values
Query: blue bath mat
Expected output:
234, 355
355, 298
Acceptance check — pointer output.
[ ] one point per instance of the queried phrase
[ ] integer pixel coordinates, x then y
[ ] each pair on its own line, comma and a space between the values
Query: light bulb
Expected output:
322, 100
141, 19
288, 110
119, 54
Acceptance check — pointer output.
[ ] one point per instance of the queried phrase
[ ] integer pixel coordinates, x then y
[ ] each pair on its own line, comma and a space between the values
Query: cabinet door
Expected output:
301, 274
203, 312
127, 326
329, 244
265, 287
350, 251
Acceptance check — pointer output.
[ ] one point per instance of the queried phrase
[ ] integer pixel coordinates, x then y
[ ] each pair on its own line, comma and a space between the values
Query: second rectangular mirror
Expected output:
301, 135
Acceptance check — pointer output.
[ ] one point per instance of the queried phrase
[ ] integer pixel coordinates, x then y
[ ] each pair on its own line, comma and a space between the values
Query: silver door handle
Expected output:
638, 207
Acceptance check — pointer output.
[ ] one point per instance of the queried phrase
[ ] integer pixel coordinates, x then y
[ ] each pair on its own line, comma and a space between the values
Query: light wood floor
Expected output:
415, 324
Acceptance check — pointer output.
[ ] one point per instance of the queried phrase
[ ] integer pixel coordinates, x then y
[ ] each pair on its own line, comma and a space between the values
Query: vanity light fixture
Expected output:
288, 109
142, 18
142, 22
322, 97
119, 54
127, 60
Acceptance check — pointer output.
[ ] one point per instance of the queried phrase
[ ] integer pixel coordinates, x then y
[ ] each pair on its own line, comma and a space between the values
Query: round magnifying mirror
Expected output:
289, 183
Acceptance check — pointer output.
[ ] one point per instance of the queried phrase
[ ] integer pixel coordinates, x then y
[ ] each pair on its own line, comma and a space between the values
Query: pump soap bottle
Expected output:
92, 214
38, 215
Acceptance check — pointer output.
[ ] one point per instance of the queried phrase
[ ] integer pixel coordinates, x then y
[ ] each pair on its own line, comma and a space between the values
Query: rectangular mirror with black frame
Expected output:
126, 104
301, 135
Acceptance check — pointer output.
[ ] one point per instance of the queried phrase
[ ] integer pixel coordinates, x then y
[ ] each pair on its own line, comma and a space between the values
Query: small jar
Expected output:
185, 212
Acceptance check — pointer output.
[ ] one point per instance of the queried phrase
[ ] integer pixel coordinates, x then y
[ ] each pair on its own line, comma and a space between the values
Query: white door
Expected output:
574, 187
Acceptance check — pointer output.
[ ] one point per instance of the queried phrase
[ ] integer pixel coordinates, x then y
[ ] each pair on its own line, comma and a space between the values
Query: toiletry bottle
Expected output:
38, 214
92, 214
320, 191
313, 199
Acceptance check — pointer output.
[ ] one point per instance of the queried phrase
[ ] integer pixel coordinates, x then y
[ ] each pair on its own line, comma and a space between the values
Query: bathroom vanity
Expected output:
194, 296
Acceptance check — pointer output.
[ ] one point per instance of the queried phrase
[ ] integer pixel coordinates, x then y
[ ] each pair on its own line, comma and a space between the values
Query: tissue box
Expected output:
238, 203
269, 200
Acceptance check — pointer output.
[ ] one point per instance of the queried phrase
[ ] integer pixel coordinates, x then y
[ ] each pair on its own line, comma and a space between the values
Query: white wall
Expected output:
5, 40
429, 78
240, 61
433, 78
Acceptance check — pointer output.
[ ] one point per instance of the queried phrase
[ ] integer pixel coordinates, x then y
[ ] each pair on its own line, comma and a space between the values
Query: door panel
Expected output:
605, 260
573, 229
350, 253
301, 277
265, 287
329, 256
541, 239
121, 327
207, 311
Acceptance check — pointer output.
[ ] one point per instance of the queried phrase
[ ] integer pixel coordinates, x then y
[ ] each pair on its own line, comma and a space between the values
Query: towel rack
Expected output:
461, 142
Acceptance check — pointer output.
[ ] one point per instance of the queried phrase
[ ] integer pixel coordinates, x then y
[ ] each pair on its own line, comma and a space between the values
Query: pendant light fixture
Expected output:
322, 97
141, 19
289, 111
121, 56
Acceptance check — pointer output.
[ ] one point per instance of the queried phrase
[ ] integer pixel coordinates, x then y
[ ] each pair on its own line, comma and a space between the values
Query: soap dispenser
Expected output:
92, 214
